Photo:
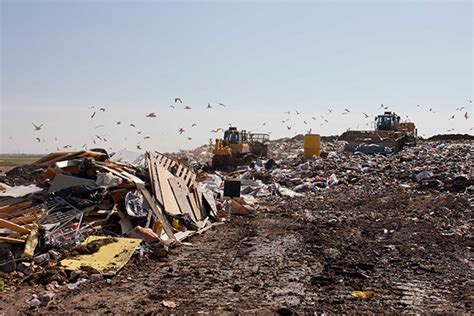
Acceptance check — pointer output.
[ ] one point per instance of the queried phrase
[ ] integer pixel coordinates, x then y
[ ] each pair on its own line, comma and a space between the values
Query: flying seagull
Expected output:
288, 127
222, 104
119, 122
38, 139
209, 106
152, 114
366, 115
37, 128
194, 124
466, 116
98, 126
178, 100
172, 106
93, 114
187, 107
181, 130
102, 109
132, 125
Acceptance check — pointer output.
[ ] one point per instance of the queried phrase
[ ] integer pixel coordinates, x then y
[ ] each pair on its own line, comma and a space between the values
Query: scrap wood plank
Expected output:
194, 206
198, 197
181, 192
204, 229
28, 219
18, 213
4, 202
208, 196
155, 183
180, 236
183, 172
12, 240
14, 227
178, 172
15, 206
169, 201
166, 225
126, 176
44, 162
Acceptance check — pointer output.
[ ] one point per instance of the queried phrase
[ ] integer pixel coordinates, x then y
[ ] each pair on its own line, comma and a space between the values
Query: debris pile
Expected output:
76, 216
428, 166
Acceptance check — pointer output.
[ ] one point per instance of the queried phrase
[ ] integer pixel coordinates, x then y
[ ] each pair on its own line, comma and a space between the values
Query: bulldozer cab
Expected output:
233, 136
387, 122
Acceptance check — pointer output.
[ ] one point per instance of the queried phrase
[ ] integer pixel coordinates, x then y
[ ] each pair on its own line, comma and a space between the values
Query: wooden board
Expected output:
169, 201
183, 172
13, 226
194, 206
18, 213
155, 183
208, 196
12, 240
181, 192
126, 176
15, 206
166, 225
28, 219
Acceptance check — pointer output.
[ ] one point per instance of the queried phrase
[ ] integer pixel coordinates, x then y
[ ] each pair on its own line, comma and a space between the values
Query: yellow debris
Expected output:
111, 256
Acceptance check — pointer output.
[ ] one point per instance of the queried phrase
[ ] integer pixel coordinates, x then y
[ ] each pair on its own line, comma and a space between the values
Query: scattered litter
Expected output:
363, 294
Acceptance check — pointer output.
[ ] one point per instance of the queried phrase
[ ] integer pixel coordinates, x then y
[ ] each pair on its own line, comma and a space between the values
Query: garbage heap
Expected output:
72, 215
435, 166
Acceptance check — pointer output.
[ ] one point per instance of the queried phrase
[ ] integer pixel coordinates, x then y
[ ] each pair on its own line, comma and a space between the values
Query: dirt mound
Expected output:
452, 137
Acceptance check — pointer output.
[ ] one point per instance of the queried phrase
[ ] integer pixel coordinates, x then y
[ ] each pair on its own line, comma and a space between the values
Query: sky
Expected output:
258, 58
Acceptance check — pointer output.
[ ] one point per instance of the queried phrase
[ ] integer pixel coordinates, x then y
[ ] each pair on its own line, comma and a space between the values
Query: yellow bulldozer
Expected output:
238, 148
390, 136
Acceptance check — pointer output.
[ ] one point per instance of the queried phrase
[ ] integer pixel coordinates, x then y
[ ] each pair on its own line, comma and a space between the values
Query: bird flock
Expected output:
289, 121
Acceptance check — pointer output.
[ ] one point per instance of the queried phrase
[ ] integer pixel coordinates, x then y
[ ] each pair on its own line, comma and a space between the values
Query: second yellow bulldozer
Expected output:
390, 136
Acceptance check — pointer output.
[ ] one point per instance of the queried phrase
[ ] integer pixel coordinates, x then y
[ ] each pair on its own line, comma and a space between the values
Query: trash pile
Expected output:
74, 217
428, 166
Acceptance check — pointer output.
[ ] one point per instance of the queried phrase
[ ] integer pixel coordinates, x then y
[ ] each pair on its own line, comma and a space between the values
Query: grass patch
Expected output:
13, 161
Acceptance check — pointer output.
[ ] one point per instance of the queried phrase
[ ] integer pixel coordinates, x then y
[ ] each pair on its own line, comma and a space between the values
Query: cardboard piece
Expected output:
62, 181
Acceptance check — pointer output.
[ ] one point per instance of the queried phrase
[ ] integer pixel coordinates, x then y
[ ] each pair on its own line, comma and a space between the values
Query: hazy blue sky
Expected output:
259, 58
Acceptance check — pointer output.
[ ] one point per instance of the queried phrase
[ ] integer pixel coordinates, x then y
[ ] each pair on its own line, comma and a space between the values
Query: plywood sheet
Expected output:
169, 201
166, 225
180, 191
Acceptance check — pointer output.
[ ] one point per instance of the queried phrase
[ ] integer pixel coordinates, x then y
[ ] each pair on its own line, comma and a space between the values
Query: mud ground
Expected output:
301, 255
